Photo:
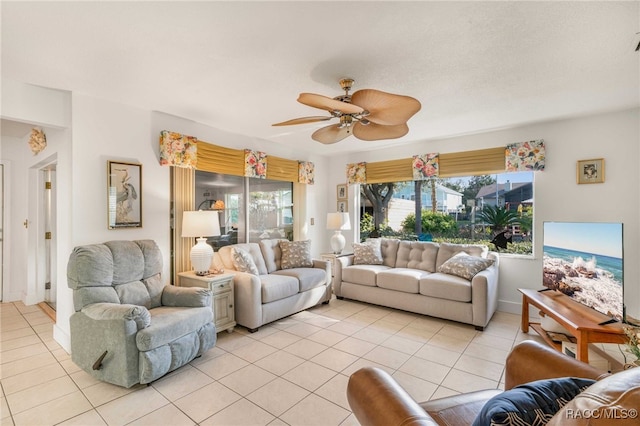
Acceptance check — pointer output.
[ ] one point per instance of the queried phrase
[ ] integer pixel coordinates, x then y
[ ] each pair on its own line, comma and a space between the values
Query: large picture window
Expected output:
250, 209
494, 209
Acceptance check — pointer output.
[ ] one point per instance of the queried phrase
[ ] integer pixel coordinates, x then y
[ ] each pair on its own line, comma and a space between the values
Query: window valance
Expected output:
180, 150
522, 156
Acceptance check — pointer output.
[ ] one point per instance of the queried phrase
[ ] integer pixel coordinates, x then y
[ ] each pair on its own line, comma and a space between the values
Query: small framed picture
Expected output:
124, 195
343, 207
590, 171
342, 193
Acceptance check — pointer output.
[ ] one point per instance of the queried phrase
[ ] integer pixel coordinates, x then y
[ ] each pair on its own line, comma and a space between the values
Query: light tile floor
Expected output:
291, 372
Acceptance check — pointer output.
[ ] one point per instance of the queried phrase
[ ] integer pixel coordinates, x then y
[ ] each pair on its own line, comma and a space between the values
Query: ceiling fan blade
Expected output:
303, 120
386, 108
331, 134
328, 104
376, 132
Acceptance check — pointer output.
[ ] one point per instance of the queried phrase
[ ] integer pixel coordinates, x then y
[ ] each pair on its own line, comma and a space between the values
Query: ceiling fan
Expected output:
368, 114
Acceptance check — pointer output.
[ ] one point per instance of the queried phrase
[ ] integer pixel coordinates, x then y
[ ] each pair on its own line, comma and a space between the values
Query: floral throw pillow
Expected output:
368, 253
464, 265
296, 254
243, 261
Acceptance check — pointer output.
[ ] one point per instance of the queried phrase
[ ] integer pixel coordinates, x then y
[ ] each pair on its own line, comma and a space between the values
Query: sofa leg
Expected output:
326, 302
253, 330
340, 297
479, 328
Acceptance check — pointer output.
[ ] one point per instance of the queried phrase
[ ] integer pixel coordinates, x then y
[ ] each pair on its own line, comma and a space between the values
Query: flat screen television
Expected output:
584, 260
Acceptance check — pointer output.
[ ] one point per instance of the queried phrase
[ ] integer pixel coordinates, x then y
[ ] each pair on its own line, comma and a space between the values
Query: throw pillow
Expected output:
532, 403
465, 266
243, 261
367, 253
295, 254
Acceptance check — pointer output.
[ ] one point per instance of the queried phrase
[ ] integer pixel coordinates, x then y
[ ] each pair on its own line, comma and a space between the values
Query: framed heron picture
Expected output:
124, 195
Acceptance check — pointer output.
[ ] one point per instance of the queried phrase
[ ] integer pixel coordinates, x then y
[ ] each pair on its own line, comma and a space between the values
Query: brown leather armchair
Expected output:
377, 399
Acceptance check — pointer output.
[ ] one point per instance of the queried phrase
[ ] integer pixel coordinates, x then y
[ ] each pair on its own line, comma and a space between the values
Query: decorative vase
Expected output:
633, 364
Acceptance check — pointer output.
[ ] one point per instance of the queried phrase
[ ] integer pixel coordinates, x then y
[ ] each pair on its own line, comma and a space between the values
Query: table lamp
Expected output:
201, 224
338, 222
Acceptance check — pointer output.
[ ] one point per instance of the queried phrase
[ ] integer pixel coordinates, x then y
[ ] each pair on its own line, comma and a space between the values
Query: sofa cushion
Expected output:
296, 254
533, 403
154, 286
389, 249
275, 287
243, 261
465, 266
448, 250
444, 286
401, 279
130, 260
362, 274
367, 253
417, 255
272, 253
308, 278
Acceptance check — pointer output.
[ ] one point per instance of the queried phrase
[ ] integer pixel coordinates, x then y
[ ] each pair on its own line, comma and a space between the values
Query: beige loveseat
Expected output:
411, 276
274, 292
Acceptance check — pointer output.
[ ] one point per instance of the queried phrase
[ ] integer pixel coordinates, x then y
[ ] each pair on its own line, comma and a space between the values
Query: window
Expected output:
268, 213
474, 209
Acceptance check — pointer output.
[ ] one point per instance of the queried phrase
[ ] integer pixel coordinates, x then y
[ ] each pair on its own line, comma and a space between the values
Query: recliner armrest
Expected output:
530, 361
186, 297
113, 311
376, 399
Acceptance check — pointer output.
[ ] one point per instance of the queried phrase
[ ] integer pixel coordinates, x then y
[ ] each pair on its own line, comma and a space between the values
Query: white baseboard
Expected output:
515, 308
60, 336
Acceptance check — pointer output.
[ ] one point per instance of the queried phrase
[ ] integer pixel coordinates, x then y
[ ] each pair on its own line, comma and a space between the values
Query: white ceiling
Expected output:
239, 66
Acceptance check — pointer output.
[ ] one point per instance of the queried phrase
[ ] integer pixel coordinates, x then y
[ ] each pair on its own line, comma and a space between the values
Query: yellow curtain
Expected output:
390, 171
218, 159
282, 169
183, 199
479, 162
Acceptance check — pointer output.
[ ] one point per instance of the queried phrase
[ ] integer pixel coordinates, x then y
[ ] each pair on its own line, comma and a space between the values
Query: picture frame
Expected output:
124, 195
342, 192
590, 171
342, 206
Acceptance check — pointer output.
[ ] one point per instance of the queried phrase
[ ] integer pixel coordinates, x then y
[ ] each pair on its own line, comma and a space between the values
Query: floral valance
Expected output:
525, 156
425, 166
357, 173
306, 172
178, 150
182, 151
255, 164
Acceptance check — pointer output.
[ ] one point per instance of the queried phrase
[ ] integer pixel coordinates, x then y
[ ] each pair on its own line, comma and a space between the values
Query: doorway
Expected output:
1, 228
48, 236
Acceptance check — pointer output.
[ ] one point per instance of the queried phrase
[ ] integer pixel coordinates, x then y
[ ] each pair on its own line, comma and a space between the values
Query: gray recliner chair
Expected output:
129, 327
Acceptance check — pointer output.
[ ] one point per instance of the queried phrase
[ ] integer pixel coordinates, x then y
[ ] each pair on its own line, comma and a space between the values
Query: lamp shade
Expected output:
202, 223
338, 221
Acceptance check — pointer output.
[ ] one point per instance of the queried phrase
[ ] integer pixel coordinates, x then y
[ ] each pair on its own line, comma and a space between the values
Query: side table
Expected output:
331, 257
221, 286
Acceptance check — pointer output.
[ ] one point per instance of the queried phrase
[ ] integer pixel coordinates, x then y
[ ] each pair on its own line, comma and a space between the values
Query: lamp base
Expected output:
201, 256
337, 242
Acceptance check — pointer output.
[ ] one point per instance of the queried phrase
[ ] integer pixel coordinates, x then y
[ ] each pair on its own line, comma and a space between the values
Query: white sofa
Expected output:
408, 278
274, 292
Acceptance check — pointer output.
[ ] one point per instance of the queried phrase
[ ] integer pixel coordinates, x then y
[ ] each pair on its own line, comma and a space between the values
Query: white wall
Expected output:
613, 136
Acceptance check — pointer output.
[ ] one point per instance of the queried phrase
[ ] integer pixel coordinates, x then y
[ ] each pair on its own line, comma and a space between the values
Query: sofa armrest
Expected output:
186, 297
530, 361
113, 311
248, 299
340, 262
377, 399
326, 265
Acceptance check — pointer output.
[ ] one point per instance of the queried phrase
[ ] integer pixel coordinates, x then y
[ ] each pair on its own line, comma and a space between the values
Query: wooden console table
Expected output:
579, 320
